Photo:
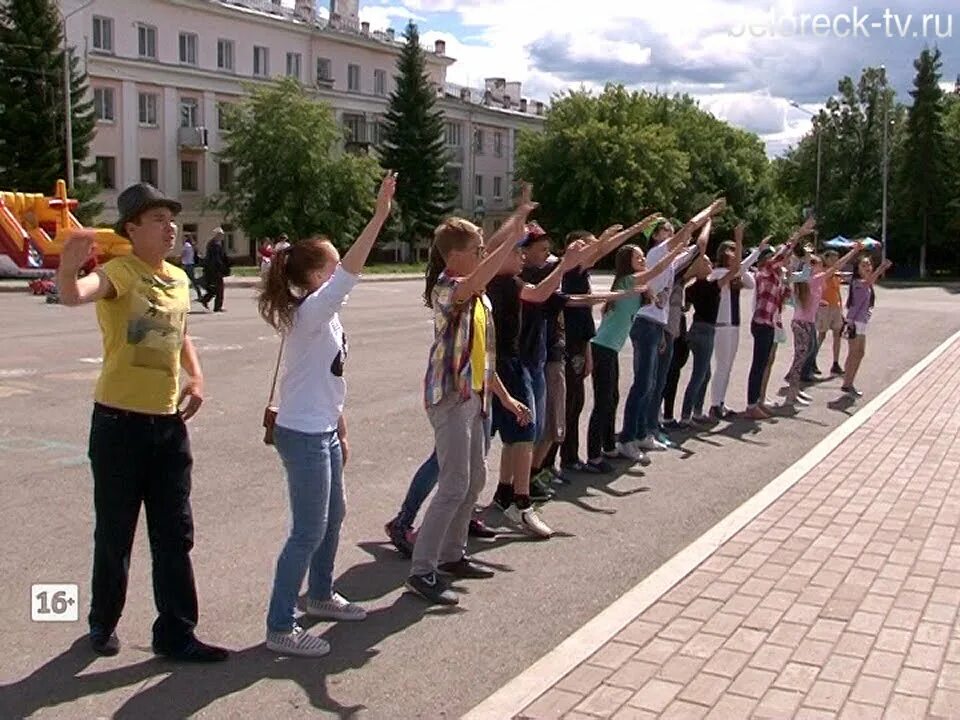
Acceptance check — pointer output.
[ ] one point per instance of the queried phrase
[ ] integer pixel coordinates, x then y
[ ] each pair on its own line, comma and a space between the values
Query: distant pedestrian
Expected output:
216, 266
188, 259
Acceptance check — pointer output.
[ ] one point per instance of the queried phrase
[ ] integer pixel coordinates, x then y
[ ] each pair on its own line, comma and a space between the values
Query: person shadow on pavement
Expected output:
170, 690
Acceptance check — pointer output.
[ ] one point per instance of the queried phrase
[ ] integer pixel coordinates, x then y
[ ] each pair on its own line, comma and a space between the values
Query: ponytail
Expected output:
291, 268
435, 266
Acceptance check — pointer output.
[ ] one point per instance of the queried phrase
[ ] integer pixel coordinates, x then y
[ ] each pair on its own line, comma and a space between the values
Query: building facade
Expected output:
161, 73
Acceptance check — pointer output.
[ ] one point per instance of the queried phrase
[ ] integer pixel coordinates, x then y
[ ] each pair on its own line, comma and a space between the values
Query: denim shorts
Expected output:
516, 379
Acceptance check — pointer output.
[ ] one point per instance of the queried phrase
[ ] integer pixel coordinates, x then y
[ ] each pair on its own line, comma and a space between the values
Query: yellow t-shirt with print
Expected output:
478, 353
143, 329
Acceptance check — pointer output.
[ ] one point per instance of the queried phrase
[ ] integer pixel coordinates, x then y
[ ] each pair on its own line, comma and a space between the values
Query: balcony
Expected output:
192, 138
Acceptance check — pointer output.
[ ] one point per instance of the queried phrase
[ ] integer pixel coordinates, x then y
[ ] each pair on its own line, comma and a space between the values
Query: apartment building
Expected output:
161, 73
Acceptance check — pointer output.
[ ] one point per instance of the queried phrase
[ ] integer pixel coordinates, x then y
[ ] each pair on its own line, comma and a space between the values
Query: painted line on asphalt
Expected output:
524, 689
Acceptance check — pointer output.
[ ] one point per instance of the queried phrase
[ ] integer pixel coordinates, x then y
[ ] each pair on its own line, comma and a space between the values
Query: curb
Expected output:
546, 672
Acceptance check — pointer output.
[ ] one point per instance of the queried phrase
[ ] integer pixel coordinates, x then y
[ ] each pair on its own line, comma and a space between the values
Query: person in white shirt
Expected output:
301, 298
188, 259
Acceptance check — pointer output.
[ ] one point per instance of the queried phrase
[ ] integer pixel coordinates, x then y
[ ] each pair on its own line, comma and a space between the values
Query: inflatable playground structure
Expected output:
33, 228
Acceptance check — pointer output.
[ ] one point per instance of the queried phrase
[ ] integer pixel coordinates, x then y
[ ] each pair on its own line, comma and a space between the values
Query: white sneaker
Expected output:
529, 520
297, 642
650, 443
336, 608
644, 459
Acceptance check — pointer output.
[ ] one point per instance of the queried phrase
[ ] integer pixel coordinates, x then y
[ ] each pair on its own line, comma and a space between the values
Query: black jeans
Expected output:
602, 432
681, 353
214, 291
574, 366
763, 338
143, 460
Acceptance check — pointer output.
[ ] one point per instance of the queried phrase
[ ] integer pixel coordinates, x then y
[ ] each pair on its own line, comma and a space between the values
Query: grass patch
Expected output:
381, 269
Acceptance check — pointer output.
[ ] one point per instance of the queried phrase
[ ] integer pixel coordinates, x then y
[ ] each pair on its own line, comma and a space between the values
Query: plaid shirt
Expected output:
770, 295
448, 368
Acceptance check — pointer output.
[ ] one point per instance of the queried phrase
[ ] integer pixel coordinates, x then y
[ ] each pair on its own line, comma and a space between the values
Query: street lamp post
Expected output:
886, 163
67, 99
819, 131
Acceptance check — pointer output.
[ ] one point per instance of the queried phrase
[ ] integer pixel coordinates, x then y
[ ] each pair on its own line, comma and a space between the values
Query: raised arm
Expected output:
78, 291
828, 272
358, 253
608, 242
878, 273
665, 265
542, 291
507, 237
697, 222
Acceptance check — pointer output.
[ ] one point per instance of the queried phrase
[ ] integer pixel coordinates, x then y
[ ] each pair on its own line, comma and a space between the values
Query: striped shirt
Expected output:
771, 292
449, 368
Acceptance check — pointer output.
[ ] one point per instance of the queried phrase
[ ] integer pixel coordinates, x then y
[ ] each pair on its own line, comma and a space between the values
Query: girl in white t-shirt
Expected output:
302, 295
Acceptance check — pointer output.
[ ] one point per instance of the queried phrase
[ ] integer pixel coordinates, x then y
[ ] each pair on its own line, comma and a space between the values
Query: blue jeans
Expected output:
646, 336
423, 482
664, 359
700, 341
538, 380
314, 465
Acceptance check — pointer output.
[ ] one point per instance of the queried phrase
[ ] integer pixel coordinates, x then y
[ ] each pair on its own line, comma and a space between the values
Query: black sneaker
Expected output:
816, 371
836, 369
432, 588
194, 651
398, 538
716, 413
599, 467
540, 490
479, 529
851, 390
103, 642
465, 568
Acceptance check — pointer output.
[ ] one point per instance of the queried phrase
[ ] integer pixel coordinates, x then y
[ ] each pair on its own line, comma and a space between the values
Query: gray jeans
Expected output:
460, 441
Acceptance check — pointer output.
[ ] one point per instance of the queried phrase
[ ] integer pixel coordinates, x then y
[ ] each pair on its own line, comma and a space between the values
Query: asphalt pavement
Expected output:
406, 660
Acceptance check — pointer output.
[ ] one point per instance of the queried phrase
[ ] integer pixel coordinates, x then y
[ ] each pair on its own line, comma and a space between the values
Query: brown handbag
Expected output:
270, 411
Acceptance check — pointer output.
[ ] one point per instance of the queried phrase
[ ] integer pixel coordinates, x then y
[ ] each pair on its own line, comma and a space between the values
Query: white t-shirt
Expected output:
312, 388
661, 286
725, 312
188, 255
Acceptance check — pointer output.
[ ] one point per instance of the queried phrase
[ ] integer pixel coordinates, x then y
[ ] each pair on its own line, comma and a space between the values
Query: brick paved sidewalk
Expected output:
838, 600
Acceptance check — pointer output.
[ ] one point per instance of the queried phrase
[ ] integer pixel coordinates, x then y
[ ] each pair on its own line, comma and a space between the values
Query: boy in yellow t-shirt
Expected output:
139, 447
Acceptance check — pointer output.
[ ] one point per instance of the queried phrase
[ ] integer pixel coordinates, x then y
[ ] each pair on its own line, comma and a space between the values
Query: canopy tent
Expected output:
840, 242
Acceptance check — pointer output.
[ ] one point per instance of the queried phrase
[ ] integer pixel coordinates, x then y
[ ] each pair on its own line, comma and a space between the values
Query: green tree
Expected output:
289, 171
849, 129
32, 126
923, 177
618, 155
414, 146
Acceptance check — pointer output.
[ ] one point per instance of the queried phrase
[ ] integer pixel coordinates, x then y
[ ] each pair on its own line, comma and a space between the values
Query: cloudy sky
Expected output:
746, 60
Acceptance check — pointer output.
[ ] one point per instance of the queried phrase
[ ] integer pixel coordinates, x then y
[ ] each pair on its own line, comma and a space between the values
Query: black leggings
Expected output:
763, 339
681, 353
602, 432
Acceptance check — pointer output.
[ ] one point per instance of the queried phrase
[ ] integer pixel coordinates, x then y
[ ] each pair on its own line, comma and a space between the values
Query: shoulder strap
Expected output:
276, 371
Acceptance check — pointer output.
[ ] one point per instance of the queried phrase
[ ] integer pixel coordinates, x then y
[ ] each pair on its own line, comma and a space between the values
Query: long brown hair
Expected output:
622, 267
454, 233
290, 269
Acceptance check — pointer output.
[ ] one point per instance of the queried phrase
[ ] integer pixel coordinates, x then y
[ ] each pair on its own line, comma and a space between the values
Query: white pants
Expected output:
725, 343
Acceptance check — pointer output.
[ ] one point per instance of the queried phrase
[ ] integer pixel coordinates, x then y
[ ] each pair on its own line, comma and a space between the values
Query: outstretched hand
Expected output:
388, 187
77, 249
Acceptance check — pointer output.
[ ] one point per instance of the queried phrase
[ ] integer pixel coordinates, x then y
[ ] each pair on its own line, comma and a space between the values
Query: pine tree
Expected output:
923, 172
414, 145
32, 128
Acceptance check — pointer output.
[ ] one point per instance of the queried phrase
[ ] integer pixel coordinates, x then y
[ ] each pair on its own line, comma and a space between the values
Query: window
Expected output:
380, 82
225, 175
147, 41
293, 65
103, 104
353, 78
497, 186
189, 176
188, 48
498, 144
356, 126
225, 55
478, 186
323, 71
454, 134
223, 115
228, 237
478, 141
261, 61
102, 34
189, 112
150, 171
148, 109
376, 133
455, 178
106, 169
